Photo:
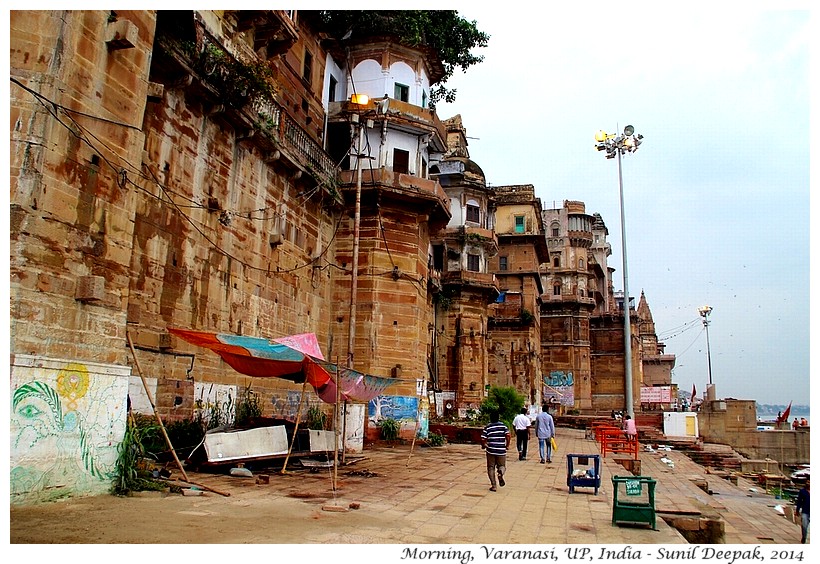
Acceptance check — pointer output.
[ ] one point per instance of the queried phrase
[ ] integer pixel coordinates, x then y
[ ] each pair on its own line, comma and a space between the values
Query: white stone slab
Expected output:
251, 443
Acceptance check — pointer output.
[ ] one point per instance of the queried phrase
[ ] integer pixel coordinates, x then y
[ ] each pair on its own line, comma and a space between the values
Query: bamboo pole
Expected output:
153, 407
336, 434
344, 431
418, 418
296, 428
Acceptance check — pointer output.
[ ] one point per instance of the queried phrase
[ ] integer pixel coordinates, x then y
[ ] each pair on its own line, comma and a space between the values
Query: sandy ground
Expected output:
280, 512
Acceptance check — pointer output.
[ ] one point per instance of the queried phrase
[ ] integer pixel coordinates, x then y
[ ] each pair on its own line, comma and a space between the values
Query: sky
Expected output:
716, 199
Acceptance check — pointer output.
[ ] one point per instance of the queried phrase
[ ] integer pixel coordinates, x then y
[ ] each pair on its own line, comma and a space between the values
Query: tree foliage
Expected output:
450, 36
504, 399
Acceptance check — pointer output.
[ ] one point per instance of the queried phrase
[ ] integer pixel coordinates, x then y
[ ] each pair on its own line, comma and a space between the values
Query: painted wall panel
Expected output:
66, 421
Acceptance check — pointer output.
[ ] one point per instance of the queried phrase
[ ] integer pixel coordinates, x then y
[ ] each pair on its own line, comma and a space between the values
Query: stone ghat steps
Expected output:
713, 455
710, 455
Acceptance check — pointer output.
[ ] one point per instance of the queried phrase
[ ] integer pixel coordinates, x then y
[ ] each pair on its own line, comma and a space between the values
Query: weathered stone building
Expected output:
208, 170
571, 293
515, 320
582, 324
174, 169
461, 255
656, 364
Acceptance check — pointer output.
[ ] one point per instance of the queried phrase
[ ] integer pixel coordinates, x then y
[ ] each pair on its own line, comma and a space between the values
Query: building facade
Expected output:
515, 322
218, 171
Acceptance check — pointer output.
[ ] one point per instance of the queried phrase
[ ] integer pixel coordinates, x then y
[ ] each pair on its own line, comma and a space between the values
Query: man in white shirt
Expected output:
521, 424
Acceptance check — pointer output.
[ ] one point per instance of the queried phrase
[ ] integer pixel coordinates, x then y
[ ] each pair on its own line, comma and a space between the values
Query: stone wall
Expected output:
734, 422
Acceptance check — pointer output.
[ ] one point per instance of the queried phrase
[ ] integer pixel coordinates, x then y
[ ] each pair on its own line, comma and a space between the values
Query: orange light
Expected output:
360, 99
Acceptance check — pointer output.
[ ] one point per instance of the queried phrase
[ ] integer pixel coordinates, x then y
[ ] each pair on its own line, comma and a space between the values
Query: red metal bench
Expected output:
601, 428
615, 441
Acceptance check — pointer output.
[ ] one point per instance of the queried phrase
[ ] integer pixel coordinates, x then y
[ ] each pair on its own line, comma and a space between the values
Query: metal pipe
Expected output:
354, 275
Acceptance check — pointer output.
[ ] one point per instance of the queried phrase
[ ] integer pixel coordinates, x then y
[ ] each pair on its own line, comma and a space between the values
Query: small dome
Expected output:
461, 165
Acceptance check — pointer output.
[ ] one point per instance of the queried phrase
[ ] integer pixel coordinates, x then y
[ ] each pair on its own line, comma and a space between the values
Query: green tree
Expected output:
506, 400
450, 37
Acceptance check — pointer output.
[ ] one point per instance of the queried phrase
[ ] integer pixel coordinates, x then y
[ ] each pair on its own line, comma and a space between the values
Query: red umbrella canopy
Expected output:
296, 358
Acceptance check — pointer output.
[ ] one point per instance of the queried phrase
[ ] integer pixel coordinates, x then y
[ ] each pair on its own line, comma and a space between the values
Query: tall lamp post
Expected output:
704, 313
616, 144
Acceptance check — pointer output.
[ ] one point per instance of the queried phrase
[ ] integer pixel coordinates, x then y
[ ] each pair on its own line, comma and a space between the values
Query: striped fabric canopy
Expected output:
296, 358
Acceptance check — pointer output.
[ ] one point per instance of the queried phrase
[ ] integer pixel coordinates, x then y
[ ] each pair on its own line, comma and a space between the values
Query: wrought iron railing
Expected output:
216, 66
276, 122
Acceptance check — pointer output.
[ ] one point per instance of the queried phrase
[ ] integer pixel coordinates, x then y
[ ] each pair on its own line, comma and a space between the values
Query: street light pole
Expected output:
627, 322
704, 313
616, 145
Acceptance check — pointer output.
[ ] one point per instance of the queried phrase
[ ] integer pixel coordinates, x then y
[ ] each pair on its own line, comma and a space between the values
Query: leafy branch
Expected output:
450, 37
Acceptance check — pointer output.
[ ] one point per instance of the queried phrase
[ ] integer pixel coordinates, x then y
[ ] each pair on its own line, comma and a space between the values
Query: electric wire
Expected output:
123, 180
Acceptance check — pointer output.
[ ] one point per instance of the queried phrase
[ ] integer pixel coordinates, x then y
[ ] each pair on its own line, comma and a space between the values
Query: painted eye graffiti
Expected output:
29, 411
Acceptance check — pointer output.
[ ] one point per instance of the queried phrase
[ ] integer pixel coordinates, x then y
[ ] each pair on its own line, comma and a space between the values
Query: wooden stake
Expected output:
208, 488
153, 407
296, 428
336, 433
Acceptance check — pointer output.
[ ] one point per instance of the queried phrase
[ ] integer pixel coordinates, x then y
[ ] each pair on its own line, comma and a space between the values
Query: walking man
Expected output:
495, 439
521, 423
544, 430
802, 506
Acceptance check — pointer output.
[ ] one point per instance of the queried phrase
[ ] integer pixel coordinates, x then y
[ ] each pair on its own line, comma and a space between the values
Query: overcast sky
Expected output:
717, 197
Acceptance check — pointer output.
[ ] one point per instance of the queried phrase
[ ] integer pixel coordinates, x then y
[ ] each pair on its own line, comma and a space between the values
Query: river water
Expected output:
770, 417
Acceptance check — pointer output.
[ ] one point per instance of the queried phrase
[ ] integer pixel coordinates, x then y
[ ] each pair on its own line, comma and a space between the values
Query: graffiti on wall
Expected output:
288, 406
558, 378
65, 427
559, 387
404, 409
393, 407
214, 404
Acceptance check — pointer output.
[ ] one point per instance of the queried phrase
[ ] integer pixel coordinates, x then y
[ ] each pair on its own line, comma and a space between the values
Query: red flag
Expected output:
785, 417
694, 392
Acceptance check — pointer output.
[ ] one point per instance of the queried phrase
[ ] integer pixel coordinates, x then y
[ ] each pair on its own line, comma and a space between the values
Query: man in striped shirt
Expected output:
495, 439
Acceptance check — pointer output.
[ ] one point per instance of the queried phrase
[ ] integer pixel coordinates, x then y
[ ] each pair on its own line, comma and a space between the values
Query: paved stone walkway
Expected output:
441, 495
425, 495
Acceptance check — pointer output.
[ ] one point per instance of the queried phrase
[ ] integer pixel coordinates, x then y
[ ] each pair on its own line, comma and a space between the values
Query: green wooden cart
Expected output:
633, 500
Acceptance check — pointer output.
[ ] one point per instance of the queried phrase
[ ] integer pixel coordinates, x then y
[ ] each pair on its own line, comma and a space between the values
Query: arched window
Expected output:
556, 262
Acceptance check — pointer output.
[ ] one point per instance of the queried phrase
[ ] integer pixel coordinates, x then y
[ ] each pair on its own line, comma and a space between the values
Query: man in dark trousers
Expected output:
544, 430
495, 439
522, 423
802, 506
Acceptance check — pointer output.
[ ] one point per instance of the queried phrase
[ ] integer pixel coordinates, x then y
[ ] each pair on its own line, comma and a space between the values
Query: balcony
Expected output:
469, 278
465, 234
273, 30
581, 239
566, 298
404, 187
289, 138
240, 93
402, 116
